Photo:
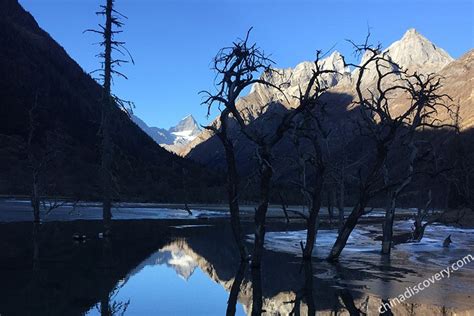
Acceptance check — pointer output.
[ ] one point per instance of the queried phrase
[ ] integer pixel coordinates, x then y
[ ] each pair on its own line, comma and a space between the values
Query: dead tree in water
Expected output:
35, 164
421, 216
42, 151
235, 68
383, 128
109, 64
307, 100
339, 168
426, 102
309, 135
426, 216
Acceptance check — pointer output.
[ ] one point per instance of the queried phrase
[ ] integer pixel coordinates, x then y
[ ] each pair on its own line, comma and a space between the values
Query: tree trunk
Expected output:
388, 230
359, 208
106, 161
233, 192
340, 205
312, 219
330, 197
390, 212
346, 230
261, 211
35, 201
388, 225
419, 232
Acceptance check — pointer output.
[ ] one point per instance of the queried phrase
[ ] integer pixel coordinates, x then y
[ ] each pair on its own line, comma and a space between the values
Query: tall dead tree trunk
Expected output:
233, 180
233, 196
394, 194
35, 163
106, 159
35, 199
109, 102
266, 173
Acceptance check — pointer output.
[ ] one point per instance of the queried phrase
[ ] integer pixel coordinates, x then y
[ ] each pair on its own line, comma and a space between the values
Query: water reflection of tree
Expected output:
109, 306
235, 289
306, 293
346, 299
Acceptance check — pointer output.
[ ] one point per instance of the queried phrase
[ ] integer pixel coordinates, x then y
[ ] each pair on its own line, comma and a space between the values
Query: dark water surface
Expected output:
188, 267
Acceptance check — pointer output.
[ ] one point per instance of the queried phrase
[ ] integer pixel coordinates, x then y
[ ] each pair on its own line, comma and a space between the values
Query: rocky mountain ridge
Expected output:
412, 52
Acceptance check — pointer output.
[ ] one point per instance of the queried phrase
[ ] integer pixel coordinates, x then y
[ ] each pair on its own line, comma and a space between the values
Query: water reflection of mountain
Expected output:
173, 257
284, 282
72, 278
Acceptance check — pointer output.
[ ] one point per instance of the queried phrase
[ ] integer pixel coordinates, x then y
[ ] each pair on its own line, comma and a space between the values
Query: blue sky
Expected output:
174, 41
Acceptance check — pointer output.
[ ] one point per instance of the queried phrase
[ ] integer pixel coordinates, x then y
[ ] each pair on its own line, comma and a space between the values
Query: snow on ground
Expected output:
362, 244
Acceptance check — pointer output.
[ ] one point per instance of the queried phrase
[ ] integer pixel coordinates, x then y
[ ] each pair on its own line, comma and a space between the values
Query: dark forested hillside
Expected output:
47, 98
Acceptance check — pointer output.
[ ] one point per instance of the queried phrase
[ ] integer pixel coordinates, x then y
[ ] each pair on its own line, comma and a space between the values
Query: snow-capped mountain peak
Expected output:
176, 136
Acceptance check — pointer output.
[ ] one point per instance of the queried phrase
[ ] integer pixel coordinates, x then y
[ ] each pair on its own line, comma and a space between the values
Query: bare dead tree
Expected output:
42, 153
36, 165
40, 158
423, 219
235, 68
113, 24
185, 191
383, 128
308, 99
424, 96
427, 215
309, 136
342, 162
